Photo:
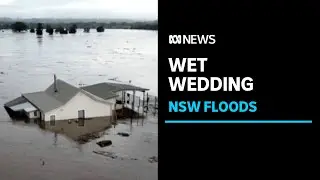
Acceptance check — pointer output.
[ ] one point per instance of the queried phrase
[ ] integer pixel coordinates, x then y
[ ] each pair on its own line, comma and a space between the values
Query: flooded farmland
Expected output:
31, 150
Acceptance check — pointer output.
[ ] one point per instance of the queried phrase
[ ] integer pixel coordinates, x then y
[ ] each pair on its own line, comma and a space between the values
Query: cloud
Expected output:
145, 9
6, 2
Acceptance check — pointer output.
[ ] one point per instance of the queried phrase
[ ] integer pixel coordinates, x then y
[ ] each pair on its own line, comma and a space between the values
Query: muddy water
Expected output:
28, 151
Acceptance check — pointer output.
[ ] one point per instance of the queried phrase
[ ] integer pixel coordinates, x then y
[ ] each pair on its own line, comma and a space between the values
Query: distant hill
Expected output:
66, 20
5, 23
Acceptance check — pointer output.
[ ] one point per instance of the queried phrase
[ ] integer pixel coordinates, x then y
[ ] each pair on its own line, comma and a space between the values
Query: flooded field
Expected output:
30, 150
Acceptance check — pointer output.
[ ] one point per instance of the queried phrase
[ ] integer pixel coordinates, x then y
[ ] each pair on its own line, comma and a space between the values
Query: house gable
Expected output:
81, 101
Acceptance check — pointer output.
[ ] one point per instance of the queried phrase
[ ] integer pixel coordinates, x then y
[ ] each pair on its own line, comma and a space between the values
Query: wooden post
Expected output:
147, 102
139, 108
155, 104
143, 103
132, 106
133, 101
133, 98
124, 102
115, 111
114, 114
131, 113
138, 114
124, 99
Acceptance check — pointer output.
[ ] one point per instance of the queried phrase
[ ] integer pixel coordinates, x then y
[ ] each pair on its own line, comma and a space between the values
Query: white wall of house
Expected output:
112, 100
34, 114
80, 101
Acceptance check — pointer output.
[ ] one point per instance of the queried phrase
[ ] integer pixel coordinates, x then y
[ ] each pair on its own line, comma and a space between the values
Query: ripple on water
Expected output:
29, 65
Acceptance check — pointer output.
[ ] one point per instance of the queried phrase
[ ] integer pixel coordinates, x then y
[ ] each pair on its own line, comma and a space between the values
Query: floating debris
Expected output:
104, 143
153, 159
1, 72
113, 79
113, 155
87, 137
124, 134
42, 162
106, 154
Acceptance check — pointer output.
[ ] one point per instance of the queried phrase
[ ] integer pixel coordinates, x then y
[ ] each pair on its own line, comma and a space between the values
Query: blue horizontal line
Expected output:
237, 121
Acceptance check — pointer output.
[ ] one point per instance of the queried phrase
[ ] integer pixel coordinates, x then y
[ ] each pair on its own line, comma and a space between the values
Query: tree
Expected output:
19, 26
49, 29
59, 29
100, 29
39, 28
73, 29
62, 30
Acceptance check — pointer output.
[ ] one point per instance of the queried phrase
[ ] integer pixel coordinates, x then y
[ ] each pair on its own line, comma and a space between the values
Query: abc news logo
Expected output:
192, 39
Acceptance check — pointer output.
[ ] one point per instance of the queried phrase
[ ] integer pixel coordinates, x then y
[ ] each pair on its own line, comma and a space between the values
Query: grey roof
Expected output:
108, 90
15, 101
65, 91
43, 101
48, 100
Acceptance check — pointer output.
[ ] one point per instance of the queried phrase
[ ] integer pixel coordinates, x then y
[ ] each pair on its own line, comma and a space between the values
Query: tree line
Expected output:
82, 25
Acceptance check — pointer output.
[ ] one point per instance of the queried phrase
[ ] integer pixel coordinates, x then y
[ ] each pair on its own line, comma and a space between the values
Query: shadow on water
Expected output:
40, 39
51, 37
80, 131
25, 142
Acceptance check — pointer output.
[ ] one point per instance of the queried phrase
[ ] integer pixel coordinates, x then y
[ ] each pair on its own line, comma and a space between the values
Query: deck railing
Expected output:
149, 105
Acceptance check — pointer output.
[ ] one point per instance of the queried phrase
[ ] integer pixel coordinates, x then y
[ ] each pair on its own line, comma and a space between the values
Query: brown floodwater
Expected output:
31, 150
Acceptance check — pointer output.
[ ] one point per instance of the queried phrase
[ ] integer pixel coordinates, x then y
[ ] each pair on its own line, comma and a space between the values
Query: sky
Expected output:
127, 9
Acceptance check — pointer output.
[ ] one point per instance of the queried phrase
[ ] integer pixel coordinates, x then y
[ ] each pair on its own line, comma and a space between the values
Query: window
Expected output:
52, 120
35, 114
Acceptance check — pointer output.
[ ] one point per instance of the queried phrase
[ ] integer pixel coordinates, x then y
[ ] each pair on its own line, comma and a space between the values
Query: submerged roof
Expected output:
16, 101
65, 91
49, 99
108, 90
43, 101
23, 106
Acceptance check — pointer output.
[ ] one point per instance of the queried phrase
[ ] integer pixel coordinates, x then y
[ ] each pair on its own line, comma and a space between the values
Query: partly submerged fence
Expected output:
147, 104
152, 104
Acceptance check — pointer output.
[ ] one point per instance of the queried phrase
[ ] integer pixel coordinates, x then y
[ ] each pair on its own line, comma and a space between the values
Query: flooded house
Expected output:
63, 101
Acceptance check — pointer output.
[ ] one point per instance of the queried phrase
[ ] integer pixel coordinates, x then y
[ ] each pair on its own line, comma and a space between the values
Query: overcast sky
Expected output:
128, 9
